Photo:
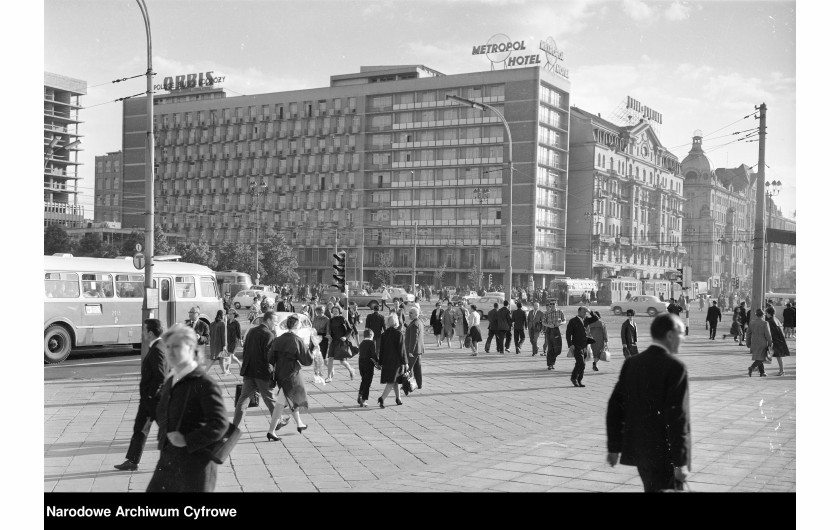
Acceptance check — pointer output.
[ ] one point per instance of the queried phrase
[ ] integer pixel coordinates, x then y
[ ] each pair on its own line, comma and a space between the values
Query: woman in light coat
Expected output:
598, 332
448, 324
760, 342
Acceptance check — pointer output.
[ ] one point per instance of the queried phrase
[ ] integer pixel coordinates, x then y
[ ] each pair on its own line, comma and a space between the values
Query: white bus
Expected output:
98, 302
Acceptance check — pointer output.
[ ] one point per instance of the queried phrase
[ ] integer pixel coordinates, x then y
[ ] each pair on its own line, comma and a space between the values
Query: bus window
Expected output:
208, 287
97, 285
130, 285
61, 285
185, 286
164, 290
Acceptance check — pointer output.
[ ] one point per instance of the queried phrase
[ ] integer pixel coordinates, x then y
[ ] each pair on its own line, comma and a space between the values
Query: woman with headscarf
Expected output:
288, 353
448, 324
393, 359
598, 333
780, 347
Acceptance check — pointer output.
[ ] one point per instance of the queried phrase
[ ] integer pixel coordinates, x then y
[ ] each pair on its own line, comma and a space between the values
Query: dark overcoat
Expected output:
392, 355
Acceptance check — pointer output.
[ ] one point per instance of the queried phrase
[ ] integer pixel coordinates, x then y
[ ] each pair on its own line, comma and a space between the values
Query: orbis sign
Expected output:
180, 82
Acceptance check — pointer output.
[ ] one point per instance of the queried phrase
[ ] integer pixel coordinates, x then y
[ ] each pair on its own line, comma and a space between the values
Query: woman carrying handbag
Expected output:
288, 353
339, 348
393, 358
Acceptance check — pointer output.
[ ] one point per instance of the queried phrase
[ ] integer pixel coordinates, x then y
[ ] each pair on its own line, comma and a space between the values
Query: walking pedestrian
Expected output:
448, 324
464, 322
199, 326
553, 338
414, 346
474, 321
218, 338
321, 325
534, 322
789, 320
713, 316
702, 302
598, 332
393, 358
629, 336
743, 321
576, 340
760, 343
436, 321
190, 415
340, 333
256, 371
152, 375
234, 339
368, 361
354, 319
519, 321
458, 323
648, 423
780, 347
288, 354
491, 326
503, 322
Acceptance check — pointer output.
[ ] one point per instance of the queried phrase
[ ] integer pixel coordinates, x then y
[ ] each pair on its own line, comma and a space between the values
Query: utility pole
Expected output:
759, 232
149, 235
414, 267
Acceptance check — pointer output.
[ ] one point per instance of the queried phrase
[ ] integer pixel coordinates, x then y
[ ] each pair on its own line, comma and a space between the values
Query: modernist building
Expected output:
61, 154
377, 163
625, 201
107, 195
719, 220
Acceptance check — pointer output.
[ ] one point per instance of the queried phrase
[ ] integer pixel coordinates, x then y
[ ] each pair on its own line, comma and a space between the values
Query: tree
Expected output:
385, 270
130, 242
278, 260
89, 246
56, 240
475, 277
235, 257
440, 273
198, 253
161, 242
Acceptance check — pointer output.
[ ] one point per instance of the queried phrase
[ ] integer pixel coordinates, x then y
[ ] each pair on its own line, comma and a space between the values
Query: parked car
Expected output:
485, 303
398, 294
303, 329
641, 304
246, 298
363, 298
466, 298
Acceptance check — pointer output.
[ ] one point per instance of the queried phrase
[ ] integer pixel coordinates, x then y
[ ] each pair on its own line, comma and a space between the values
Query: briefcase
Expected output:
255, 400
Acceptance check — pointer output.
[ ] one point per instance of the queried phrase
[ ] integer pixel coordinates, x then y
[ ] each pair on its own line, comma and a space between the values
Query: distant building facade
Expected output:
625, 206
61, 155
107, 203
781, 259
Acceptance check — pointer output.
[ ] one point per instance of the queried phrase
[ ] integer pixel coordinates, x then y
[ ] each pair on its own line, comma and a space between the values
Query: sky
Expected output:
702, 65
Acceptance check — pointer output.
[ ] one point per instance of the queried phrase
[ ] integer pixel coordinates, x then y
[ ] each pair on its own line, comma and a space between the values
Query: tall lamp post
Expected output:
257, 190
482, 106
481, 196
149, 232
772, 189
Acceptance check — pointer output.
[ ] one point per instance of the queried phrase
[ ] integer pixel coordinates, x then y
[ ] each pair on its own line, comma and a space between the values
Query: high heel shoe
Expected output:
399, 401
381, 403
271, 437
302, 428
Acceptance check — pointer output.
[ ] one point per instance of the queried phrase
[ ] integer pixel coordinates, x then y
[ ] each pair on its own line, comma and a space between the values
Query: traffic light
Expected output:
489, 279
679, 277
737, 283
339, 268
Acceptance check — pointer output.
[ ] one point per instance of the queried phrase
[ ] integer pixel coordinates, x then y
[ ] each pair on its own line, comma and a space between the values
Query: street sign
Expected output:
139, 261
138, 247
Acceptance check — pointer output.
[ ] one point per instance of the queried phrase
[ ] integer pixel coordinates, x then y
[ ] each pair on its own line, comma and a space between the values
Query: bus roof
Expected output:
125, 265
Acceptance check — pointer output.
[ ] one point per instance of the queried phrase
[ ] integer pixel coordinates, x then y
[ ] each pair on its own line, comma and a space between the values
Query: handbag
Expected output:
219, 450
467, 341
255, 399
605, 354
409, 384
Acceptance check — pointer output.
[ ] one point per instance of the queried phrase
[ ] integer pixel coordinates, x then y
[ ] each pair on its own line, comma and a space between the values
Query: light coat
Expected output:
759, 339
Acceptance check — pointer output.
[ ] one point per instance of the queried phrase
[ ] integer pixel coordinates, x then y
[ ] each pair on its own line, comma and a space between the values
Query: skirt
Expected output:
735, 329
337, 353
295, 391
475, 334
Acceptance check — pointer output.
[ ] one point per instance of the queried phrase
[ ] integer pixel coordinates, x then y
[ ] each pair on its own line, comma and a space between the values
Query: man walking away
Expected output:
519, 320
648, 414
152, 375
551, 323
491, 326
535, 324
713, 316
576, 340
256, 372
376, 323
503, 322
629, 335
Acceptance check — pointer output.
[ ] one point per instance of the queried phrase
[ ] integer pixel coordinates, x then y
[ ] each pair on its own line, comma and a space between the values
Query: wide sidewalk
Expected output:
487, 423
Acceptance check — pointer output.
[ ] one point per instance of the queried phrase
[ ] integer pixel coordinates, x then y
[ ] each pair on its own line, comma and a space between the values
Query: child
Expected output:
368, 360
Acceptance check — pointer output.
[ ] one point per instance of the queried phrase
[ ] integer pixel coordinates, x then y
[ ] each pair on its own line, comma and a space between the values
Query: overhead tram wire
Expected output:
722, 128
116, 100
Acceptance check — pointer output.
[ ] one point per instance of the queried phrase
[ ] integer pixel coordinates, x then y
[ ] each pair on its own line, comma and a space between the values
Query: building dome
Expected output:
696, 161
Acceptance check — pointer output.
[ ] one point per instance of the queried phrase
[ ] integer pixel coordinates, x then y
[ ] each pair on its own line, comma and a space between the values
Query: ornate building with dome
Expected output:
719, 220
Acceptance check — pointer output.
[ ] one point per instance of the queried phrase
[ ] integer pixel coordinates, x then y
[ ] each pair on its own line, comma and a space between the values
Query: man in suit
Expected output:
199, 326
152, 374
376, 323
648, 415
553, 338
285, 305
414, 347
713, 316
519, 320
743, 320
503, 322
534, 322
629, 335
257, 374
576, 341
491, 326
789, 320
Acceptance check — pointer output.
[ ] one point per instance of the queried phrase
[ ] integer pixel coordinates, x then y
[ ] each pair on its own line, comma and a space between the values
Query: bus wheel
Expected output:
237, 305
652, 312
617, 311
57, 344
480, 314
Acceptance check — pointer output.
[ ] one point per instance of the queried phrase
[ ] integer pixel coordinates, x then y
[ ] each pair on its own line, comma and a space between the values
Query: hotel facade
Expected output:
379, 163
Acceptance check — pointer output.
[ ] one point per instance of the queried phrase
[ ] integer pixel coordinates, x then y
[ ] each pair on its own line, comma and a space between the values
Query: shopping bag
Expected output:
604, 355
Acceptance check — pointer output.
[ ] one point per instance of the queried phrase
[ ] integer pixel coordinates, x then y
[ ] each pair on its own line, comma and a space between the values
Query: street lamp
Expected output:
482, 106
257, 190
481, 196
771, 189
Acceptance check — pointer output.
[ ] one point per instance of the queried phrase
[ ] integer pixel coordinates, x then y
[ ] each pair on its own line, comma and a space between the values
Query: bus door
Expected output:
100, 322
166, 302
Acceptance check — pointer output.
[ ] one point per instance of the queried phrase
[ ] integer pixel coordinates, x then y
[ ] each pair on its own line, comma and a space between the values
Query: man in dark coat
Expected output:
503, 322
648, 414
257, 374
152, 374
713, 316
491, 326
535, 327
743, 320
199, 326
519, 321
674, 308
576, 339
789, 320
629, 335
376, 323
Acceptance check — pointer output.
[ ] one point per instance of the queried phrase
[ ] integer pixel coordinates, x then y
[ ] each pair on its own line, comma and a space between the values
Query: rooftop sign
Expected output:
184, 81
499, 49
643, 111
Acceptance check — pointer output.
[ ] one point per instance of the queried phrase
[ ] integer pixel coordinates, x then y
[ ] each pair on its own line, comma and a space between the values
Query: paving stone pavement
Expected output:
487, 423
